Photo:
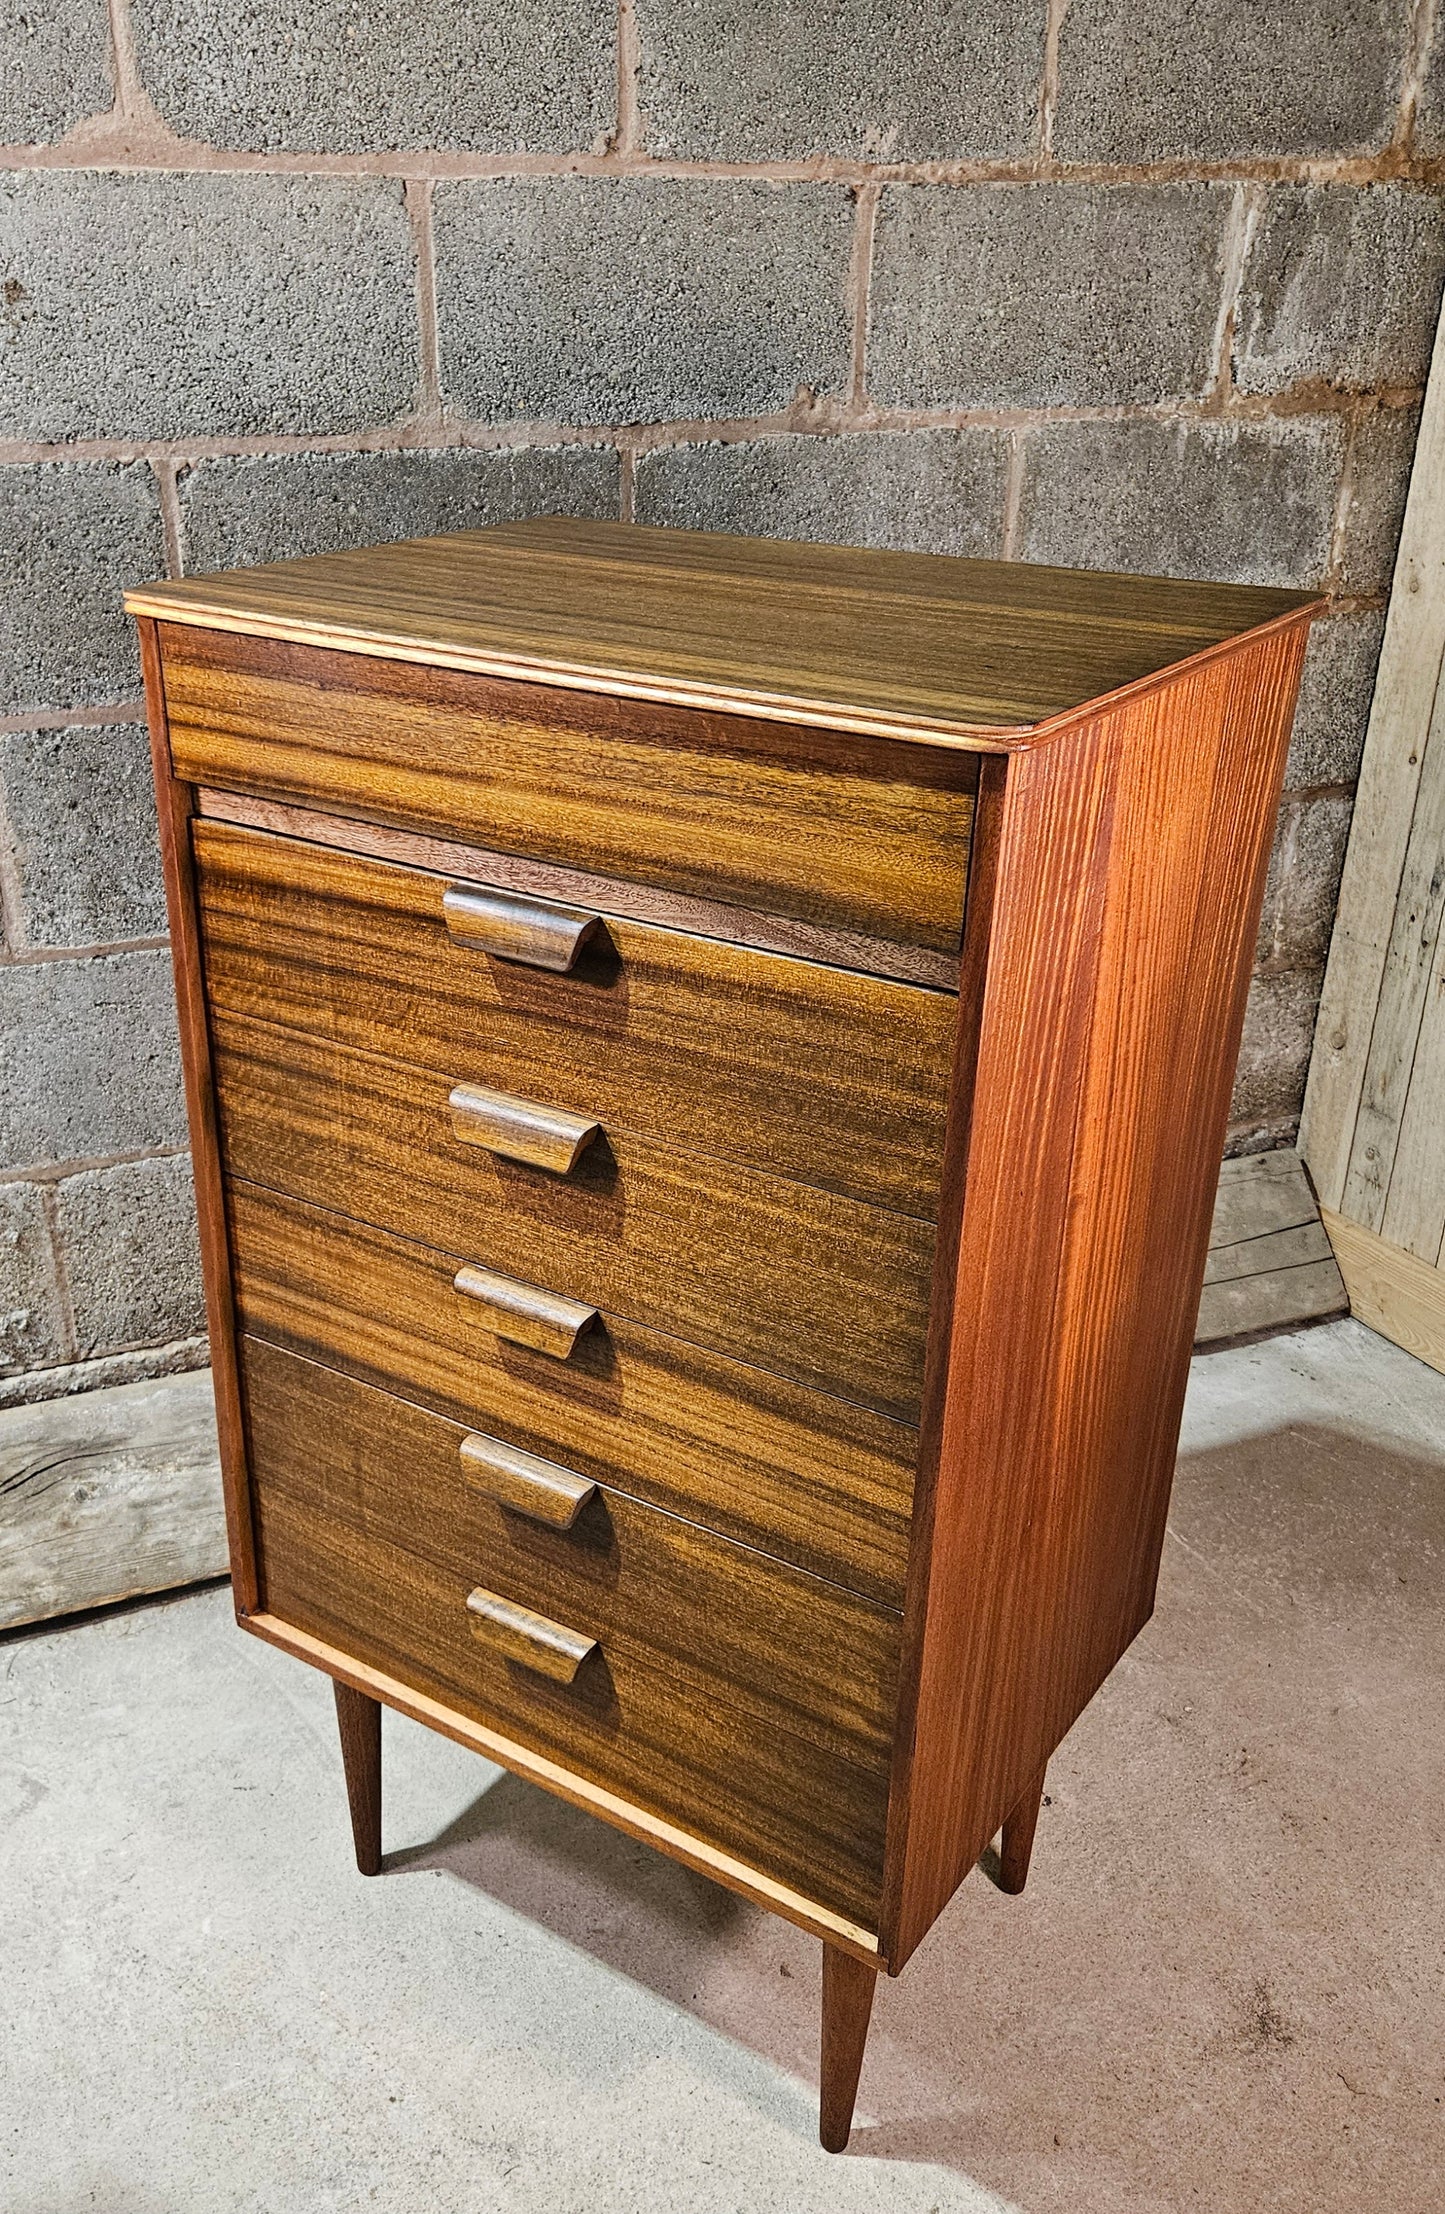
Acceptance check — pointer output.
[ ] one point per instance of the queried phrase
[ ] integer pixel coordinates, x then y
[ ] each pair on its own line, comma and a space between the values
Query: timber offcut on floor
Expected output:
1270, 1265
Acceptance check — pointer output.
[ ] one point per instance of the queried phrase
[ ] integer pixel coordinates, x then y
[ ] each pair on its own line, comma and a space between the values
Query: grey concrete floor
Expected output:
1223, 1988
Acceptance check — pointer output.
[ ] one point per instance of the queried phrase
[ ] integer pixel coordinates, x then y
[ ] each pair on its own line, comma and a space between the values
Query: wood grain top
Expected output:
920, 646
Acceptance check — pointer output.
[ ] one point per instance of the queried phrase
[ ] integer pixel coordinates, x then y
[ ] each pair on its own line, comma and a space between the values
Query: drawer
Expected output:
858, 834
817, 1287
744, 1702
718, 1620
818, 1481
814, 1073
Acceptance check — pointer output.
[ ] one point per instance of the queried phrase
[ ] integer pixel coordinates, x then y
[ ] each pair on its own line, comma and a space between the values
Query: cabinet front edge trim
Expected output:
636, 1821
817, 712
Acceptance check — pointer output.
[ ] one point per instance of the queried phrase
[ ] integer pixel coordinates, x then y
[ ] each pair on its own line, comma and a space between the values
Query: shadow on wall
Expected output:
1230, 1914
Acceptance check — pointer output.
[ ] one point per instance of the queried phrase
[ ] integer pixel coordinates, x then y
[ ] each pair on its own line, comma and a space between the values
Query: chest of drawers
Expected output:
707, 1064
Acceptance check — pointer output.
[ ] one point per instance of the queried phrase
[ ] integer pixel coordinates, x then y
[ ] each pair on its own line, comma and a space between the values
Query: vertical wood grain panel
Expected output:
174, 806
1130, 878
1406, 979
1390, 774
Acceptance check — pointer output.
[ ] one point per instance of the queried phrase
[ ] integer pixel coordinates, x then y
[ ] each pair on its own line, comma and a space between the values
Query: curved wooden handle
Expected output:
524, 1313
541, 1489
549, 1647
520, 1129
535, 932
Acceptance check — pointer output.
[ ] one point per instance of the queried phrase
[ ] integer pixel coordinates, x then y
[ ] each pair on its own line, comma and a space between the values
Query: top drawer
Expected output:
848, 833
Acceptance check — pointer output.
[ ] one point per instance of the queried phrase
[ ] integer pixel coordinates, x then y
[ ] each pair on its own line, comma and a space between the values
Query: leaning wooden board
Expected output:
707, 1065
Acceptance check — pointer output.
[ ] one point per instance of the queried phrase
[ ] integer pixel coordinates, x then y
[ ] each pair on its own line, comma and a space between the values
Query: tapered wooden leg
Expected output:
1017, 1845
847, 2003
359, 1721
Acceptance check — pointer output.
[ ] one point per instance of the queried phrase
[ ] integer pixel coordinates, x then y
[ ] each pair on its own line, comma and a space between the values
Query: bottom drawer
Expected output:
738, 1699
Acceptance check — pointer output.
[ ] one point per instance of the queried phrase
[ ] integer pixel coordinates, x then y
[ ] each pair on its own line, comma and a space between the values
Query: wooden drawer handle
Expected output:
524, 1313
549, 1647
520, 1129
534, 931
520, 1480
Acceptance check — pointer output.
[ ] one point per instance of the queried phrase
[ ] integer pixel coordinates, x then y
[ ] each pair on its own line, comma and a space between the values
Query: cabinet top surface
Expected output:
923, 646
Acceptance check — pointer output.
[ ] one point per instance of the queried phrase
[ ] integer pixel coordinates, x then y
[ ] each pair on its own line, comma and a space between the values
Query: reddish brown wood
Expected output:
848, 1987
1130, 877
962, 1083
359, 1721
1017, 1844
174, 806
850, 833
564, 1783
1115, 868
919, 645
610, 895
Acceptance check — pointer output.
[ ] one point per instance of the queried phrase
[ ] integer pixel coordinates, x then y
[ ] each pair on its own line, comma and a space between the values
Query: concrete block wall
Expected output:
1089, 281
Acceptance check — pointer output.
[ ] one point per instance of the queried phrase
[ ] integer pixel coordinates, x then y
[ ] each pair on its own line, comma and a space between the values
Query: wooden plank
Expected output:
1130, 881
1394, 1292
700, 918
1415, 1212
1406, 995
1278, 1298
106, 1494
1270, 1265
817, 1481
1260, 1193
565, 1783
821, 1075
1400, 716
914, 645
1231, 1264
806, 1283
855, 834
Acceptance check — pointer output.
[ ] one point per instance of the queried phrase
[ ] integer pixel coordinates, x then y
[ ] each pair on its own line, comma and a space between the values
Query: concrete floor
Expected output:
1223, 1988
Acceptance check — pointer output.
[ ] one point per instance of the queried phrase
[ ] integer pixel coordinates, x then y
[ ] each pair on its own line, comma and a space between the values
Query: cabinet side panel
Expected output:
1131, 869
174, 807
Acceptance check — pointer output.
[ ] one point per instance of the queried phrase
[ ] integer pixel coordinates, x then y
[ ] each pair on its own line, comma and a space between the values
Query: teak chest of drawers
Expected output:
708, 1062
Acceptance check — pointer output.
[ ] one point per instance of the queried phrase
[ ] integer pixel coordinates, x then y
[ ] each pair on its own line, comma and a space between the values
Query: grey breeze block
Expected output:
57, 69
1341, 284
536, 76
73, 535
932, 491
89, 1059
1044, 295
1220, 80
746, 80
85, 856
592, 300
274, 506
162, 306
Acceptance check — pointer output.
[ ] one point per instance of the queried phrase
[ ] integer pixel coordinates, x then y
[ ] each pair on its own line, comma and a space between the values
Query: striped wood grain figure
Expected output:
751, 1412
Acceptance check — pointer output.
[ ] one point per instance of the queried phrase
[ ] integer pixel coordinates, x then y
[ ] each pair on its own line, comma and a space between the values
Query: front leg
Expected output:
848, 1986
359, 1721
1017, 1845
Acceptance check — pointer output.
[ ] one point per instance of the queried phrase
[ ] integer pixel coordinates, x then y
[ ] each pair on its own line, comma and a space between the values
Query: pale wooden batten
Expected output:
1373, 1133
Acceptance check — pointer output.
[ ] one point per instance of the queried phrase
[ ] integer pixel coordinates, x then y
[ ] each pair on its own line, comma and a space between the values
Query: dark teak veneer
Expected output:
707, 1064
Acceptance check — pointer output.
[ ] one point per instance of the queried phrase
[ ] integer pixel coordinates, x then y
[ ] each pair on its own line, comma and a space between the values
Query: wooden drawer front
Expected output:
816, 1287
747, 1703
719, 1620
787, 1808
833, 1078
858, 834
813, 1479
